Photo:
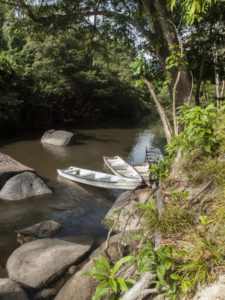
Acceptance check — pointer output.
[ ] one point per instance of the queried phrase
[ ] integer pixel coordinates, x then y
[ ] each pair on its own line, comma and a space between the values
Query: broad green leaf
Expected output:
175, 276
122, 284
184, 287
101, 291
95, 273
120, 262
130, 281
160, 272
168, 264
103, 264
113, 284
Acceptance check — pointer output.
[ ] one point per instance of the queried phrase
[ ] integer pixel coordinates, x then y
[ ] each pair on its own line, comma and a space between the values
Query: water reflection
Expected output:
79, 208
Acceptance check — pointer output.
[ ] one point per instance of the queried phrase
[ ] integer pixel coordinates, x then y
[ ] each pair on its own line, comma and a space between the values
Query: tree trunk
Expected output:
166, 124
163, 35
202, 64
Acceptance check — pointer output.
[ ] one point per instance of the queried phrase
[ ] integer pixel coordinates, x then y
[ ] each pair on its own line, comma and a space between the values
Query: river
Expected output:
80, 209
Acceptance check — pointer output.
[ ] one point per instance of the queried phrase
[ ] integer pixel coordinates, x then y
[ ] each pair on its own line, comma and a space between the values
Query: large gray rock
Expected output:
40, 230
39, 262
126, 206
214, 291
116, 247
79, 287
9, 167
57, 137
10, 290
46, 294
22, 186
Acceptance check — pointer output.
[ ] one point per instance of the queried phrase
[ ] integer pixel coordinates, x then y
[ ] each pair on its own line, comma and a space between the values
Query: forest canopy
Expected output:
65, 61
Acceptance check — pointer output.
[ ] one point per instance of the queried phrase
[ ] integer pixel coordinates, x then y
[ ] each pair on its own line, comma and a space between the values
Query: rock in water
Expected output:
39, 262
9, 167
10, 290
23, 185
57, 137
41, 230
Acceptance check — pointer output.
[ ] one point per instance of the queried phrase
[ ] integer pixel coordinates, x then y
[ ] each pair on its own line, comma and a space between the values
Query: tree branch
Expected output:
141, 285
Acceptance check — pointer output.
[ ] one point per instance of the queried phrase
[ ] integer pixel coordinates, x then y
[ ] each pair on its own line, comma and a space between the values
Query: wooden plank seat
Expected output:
120, 167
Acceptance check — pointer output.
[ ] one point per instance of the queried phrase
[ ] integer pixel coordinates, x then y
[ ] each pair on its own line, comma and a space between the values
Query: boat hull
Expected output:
120, 167
111, 183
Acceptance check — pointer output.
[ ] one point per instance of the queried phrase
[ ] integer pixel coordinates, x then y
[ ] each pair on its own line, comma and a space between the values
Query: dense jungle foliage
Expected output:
67, 77
69, 61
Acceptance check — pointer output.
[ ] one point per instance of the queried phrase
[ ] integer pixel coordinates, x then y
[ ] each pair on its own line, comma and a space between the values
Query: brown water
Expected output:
79, 208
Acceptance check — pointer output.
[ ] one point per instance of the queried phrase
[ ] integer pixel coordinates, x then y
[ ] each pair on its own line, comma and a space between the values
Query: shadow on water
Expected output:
79, 208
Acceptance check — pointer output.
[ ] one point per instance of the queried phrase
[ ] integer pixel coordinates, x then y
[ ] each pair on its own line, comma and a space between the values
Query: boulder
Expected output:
57, 137
9, 167
127, 208
22, 186
39, 262
38, 231
116, 248
214, 291
10, 290
46, 294
79, 287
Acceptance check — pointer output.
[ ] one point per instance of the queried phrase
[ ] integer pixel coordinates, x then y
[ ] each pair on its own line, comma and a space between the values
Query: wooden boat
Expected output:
143, 170
153, 155
120, 167
99, 179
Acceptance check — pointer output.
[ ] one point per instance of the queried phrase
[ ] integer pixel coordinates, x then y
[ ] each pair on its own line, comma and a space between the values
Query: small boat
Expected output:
153, 155
99, 179
144, 170
121, 168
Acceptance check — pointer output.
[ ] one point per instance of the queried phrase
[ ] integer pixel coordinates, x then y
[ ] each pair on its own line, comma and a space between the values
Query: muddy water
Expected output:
79, 208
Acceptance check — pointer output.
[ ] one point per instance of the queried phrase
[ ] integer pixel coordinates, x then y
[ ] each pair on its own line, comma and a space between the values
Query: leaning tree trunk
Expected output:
166, 123
163, 35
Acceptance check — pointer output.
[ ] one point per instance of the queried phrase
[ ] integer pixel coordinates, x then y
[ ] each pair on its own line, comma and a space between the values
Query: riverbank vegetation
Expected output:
180, 242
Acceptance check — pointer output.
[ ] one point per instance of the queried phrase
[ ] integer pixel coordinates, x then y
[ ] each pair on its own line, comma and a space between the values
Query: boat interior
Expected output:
119, 166
90, 175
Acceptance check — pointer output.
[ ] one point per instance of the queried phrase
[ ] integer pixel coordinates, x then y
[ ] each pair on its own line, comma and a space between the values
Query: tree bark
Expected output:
163, 35
202, 64
139, 287
166, 124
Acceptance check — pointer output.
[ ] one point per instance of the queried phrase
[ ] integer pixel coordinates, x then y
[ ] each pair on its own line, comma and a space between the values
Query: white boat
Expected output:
99, 179
153, 155
144, 170
120, 167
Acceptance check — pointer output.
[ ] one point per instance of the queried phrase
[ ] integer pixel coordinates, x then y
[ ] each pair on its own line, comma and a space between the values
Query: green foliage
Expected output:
203, 255
160, 171
194, 8
110, 284
178, 195
204, 220
10, 97
199, 131
163, 262
176, 58
64, 78
140, 66
172, 220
